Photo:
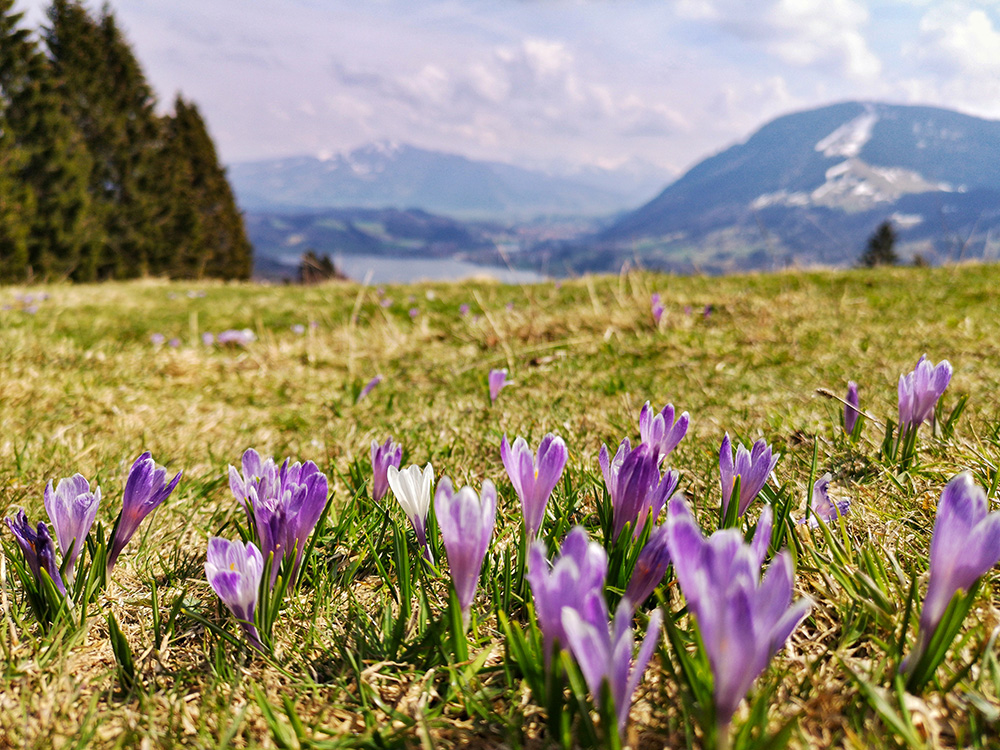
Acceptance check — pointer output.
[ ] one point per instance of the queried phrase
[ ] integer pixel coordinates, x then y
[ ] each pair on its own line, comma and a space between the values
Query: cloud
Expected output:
805, 33
535, 84
959, 40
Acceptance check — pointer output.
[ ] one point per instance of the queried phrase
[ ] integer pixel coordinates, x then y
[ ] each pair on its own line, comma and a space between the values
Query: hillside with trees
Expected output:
94, 184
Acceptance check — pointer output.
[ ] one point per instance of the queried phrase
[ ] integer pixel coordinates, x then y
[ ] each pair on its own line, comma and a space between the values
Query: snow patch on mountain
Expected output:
849, 138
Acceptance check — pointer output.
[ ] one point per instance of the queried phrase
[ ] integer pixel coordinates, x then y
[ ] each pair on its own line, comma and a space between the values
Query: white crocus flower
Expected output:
412, 488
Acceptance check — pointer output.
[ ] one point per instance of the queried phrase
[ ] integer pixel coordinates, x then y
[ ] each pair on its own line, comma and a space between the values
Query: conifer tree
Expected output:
54, 167
113, 106
14, 204
206, 222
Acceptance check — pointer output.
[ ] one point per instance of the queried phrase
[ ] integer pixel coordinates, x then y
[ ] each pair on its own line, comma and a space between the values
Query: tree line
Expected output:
94, 184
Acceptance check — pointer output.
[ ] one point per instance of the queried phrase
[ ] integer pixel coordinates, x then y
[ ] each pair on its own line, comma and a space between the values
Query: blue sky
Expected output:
550, 82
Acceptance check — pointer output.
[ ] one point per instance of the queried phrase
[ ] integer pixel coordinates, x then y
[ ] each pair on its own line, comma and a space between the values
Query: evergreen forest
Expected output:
94, 183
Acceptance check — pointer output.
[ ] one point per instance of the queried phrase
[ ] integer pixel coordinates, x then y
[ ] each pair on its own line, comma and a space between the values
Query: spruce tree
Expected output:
206, 224
14, 205
881, 247
55, 166
112, 105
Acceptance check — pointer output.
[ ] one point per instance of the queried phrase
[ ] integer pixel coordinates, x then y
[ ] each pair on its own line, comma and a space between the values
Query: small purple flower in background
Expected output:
36, 544
145, 488
656, 307
743, 620
207, 339
386, 302
157, 339
412, 488
298, 329
708, 312
368, 387
242, 337
234, 572
510, 306
463, 309
659, 431
851, 407
497, 382
576, 576
31, 309
823, 508
920, 390
650, 567
174, 343
383, 456
414, 312
466, 522
534, 478
380, 291
687, 309
558, 285
604, 653
635, 485
72, 508
964, 546
753, 467
314, 324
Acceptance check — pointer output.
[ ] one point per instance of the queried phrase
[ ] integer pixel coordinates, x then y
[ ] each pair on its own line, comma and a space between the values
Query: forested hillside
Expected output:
94, 184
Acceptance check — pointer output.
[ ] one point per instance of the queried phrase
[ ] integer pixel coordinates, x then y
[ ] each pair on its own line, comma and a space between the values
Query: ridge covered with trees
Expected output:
94, 184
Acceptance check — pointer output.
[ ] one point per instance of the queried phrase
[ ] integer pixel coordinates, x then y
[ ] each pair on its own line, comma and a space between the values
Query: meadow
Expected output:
366, 651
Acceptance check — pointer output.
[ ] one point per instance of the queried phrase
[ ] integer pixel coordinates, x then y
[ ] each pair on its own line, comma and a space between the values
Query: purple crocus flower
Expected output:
534, 478
497, 382
383, 456
604, 652
650, 567
234, 572
466, 522
414, 312
823, 508
368, 387
299, 329
463, 309
577, 572
241, 337
851, 412
207, 339
656, 307
412, 488
708, 312
157, 339
145, 488
743, 620
753, 467
36, 544
659, 431
964, 546
284, 505
174, 343
72, 508
920, 390
635, 485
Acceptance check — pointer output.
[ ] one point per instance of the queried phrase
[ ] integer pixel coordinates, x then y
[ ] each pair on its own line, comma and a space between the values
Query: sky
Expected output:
555, 84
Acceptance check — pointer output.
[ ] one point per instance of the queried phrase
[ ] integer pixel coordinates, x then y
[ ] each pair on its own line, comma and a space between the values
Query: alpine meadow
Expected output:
390, 585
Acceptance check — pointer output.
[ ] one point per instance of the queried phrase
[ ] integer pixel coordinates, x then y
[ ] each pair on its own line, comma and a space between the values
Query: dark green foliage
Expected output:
314, 269
880, 250
93, 183
62, 234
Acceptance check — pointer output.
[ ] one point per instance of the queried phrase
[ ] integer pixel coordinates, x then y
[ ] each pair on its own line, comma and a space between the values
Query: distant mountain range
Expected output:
394, 175
810, 187
806, 189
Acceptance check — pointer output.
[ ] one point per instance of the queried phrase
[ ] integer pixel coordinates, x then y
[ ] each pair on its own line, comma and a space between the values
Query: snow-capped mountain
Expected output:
390, 174
812, 186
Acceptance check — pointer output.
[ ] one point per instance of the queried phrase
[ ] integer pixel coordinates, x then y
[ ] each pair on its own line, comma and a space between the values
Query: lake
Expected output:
377, 269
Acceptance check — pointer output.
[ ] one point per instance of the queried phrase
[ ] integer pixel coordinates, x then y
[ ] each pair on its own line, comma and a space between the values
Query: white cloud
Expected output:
805, 33
957, 40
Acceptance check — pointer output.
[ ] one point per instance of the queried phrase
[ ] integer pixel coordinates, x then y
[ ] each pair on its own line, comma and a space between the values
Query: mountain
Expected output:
390, 174
810, 187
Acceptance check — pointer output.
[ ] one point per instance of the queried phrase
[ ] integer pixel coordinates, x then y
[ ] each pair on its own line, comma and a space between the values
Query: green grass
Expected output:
82, 389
